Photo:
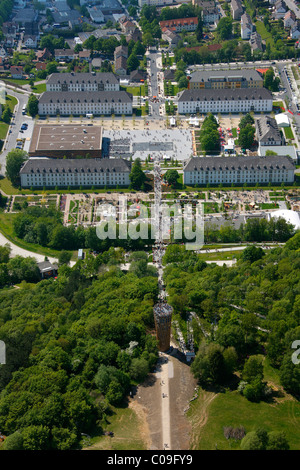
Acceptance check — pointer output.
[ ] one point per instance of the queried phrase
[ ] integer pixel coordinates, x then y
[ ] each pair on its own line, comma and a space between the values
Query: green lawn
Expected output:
12, 102
288, 133
17, 81
265, 35
134, 90
39, 88
125, 424
232, 409
3, 130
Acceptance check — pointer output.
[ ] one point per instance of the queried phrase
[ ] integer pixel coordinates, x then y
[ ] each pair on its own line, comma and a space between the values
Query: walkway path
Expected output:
18, 251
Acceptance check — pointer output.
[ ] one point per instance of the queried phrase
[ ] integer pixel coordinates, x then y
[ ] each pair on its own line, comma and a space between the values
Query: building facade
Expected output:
62, 103
225, 101
180, 24
267, 131
246, 78
74, 82
238, 170
49, 173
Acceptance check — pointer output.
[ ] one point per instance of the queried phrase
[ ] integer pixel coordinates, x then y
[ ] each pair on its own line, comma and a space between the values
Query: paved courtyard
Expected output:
173, 143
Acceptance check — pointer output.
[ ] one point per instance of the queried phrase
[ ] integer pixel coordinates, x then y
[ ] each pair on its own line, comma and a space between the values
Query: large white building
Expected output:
99, 103
241, 100
49, 173
89, 81
238, 170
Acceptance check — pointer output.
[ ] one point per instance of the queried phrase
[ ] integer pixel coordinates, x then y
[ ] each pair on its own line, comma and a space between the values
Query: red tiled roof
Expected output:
178, 22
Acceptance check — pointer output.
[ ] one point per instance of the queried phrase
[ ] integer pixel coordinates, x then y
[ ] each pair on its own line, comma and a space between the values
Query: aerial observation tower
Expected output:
162, 310
162, 320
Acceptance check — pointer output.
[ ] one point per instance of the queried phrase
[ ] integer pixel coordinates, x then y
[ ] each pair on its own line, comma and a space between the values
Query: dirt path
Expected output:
164, 417
199, 420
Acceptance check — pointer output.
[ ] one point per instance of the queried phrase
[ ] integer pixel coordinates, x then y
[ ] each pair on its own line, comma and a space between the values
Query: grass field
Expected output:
11, 101
125, 425
288, 133
39, 88
3, 130
265, 35
220, 256
213, 411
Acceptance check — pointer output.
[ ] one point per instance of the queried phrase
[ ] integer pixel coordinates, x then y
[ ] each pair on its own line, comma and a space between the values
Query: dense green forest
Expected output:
250, 309
74, 346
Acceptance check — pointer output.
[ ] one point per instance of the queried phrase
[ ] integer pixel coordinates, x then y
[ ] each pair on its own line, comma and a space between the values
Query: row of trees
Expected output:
209, 134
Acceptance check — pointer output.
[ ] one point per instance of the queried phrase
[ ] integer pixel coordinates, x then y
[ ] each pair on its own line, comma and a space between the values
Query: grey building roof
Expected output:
84, 77
255, 41
236, 5
75, 165
267, 130
206, 94
45, 266
239, 163
85, 96
206, 76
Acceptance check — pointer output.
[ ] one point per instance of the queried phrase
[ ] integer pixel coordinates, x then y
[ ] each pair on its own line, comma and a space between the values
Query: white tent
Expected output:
282, 120
292, 217
194, 121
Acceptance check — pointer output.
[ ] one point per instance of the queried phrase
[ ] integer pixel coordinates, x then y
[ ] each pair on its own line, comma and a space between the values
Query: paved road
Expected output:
293, 7
17, 251
16, 123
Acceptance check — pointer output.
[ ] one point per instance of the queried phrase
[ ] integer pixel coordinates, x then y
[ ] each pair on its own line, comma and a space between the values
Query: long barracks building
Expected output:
218, 79
238, 170
89, 81
241, 100
66, 103
49, 173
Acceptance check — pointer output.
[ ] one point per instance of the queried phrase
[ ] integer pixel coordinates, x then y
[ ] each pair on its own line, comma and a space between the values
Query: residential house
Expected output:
295, 30
280, 9
84, 55
128, 27
121, 66
255, 42
171, 37
247, 26
3, 52
289, 19
40, 65
16, 71
169, 75
236, 9
10, 30
135, 35
137, 76
30, 42
210, 13
45, 54
180, 24
267, 131
64, 54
